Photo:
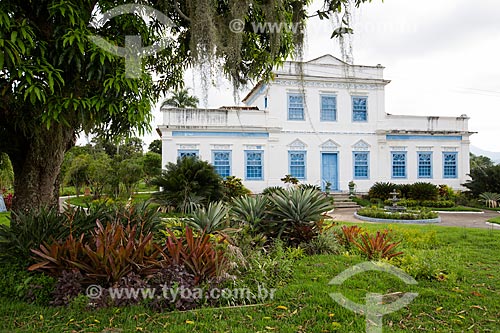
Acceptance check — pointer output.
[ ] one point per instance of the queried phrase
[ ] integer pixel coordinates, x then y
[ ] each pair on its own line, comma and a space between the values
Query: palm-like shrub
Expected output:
250, 210
187, 182
297, 214
423, 191
381, 190
490, 199
212, 219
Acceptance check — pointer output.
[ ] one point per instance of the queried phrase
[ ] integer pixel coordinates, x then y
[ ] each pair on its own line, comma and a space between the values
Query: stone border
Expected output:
494, 225
372, 219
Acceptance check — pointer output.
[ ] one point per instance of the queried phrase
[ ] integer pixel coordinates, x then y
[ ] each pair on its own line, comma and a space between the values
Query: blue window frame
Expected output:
450, 165
398, 164
328, 108
359, 108
295, 107
221, 160
361, 165
254, 162
187, 153
424, 165
297, 164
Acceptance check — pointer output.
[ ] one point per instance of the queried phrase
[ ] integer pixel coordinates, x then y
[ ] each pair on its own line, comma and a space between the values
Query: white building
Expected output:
322, 123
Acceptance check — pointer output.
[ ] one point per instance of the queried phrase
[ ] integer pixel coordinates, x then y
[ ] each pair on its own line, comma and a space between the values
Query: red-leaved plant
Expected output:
378, 246
198, 253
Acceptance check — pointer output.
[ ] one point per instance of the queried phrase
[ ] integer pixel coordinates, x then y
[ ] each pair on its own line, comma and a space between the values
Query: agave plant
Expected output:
211, 219
250, 210
490, 199
298, 213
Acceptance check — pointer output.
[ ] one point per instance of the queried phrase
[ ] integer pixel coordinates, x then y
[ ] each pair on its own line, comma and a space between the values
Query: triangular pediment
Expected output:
361, 144
297, 144
326, 59
329, 145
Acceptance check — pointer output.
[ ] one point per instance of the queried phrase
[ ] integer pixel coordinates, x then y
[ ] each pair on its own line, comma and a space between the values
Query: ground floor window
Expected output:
398, 164
254, 165
361, 163
450, 165
221, 160
424, 165
297, 164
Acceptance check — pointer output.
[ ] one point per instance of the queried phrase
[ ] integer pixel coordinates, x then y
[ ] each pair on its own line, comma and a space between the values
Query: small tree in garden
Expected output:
77, 173
152, 166
130, 172
187, 182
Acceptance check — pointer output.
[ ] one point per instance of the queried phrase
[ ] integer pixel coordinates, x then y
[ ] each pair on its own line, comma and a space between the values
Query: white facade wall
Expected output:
269, 130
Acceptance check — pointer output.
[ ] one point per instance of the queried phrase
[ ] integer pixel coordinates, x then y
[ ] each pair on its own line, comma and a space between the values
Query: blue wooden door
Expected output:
329, 171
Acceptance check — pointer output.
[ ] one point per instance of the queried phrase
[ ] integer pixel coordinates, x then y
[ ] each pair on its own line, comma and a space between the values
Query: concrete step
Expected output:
346, 205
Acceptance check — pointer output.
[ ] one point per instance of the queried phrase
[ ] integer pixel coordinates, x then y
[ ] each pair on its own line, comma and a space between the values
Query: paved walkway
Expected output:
466, 220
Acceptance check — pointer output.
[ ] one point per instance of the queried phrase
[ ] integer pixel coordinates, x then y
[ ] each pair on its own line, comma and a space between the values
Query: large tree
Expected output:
55, 83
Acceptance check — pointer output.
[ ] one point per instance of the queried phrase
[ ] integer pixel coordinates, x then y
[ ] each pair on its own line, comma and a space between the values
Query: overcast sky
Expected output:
441, 56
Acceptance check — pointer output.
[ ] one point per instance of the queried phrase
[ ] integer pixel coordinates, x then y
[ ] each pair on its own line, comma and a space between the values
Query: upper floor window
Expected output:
450, 165
254, 165
361, 165
295, 107
328, 108
359, 108
424, 165
398, 164
187, 153
221, 160
297, 164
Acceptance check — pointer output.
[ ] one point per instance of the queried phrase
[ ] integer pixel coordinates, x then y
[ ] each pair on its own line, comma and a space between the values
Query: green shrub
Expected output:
422, 265
404, 190
186, 183
16, 283
423, 191
27, 231
325, 243
403, 202
381, 190
438, 204
233, 187
409, 215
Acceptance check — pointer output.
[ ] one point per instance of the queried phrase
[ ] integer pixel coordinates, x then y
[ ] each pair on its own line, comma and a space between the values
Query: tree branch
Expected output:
179, 11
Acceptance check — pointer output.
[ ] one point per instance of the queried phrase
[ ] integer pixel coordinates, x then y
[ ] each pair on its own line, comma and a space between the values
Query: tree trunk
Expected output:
37, 168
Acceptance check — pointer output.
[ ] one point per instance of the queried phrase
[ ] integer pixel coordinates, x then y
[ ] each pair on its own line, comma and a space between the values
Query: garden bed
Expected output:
457, 286
381, 220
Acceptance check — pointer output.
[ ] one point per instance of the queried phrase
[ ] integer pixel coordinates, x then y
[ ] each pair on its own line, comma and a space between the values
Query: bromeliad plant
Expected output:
198, 253
111, 252
297, 214
212, 219
378, 246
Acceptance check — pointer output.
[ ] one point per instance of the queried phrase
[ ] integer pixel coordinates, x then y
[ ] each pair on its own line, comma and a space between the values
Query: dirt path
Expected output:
466, 220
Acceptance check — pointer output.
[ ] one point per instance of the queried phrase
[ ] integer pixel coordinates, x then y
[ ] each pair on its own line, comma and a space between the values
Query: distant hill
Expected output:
495, 156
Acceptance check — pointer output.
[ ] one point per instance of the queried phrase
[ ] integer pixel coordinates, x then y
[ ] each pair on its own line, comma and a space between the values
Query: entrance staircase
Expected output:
342, 200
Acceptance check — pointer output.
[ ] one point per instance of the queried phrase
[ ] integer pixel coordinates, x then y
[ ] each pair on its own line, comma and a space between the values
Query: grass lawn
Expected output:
83, 200
466, 297
4, 218
495, 220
